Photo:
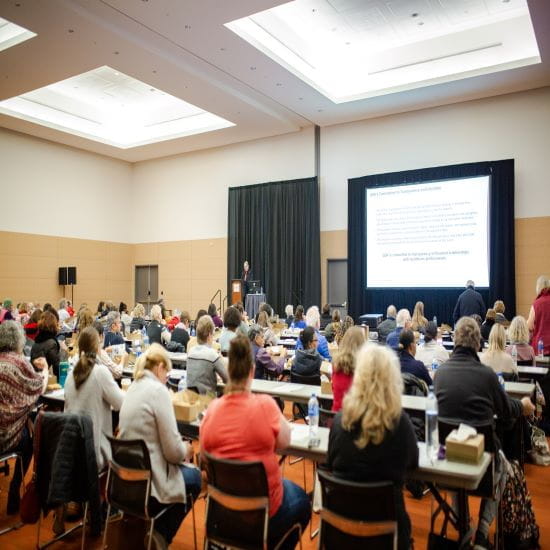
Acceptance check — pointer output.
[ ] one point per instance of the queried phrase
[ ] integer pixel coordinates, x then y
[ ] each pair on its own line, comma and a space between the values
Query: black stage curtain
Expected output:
438, 302
276, 227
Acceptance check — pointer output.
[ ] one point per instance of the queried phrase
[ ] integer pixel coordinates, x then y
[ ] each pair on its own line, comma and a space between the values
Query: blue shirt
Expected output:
322, 346
392, 339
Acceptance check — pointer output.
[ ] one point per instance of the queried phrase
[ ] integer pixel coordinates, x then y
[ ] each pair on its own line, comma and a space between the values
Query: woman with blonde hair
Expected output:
518, 334
333, 330
419, 322
269, 336
346, 325
496, 356
147, 413
499, 308
343, 365
372, 438
539, 316
138, 318
156, 329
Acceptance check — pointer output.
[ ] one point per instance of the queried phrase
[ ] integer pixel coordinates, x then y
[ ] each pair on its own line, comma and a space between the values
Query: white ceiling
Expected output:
183, 48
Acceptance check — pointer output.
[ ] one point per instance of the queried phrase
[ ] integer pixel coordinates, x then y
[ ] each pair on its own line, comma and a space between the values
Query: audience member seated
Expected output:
24, 313
90, 389
180, 334
245, 426
269, 336
138, 318
343, 364
46, 344
430, 349
156, 330
147, 413
490, 320
407, 351
299, 321
103, 357
372, 438
518, 334
539, 315
469, 392
326, 317
307, 361
113, 334
495, 356
20, 387
289, 312
62, 311
204, 362
7, 311
262, 358
470, 302
402, 322
124, 316
100, 309
499, 310
387, 325
418, 322
216, 319
231, 322
200, 313
243, 327
312, 320
69, 308
346, 325
31, 327
333, 331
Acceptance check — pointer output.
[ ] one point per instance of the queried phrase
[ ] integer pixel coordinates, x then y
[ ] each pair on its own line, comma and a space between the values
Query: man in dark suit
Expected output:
469, 303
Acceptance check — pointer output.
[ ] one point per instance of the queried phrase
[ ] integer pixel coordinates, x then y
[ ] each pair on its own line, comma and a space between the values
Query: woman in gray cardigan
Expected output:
147, 413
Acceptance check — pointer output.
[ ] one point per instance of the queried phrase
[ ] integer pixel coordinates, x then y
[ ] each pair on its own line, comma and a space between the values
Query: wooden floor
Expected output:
538, 479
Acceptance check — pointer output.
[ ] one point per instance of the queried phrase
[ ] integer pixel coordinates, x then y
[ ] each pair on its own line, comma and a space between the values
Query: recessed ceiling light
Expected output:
368, 56
120, 111
12, 34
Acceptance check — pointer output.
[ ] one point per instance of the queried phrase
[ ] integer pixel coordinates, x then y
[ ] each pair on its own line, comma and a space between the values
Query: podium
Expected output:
236, 291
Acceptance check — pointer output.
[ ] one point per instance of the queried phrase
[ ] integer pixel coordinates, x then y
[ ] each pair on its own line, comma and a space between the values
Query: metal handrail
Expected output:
219, 291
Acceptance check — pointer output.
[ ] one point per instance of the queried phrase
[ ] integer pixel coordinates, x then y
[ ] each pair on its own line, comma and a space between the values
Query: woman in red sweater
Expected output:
343, 365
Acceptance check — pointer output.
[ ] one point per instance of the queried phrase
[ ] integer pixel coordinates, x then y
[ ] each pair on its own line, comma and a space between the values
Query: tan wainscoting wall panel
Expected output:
334, 246
29, 269
190, 272
532, 258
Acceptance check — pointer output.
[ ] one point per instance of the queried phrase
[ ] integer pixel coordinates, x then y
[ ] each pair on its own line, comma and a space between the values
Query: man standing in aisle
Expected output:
469, 303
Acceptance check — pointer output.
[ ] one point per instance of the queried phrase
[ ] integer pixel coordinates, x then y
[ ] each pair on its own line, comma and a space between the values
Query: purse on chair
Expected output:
30, 503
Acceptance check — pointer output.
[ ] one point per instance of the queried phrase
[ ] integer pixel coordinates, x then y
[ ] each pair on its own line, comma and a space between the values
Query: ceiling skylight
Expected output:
110, 107
12, 34
353, 49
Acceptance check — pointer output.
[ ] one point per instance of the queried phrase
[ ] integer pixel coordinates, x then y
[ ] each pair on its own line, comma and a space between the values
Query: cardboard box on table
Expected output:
188, 405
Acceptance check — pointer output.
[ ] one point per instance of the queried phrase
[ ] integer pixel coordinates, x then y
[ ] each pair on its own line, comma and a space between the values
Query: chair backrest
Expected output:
412, 385
237, 510
326, 417
314, 380
447, 425
129, 478
353, 512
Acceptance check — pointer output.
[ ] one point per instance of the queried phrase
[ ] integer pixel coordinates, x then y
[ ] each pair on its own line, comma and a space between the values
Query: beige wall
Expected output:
190, 272
532, 258
30, 269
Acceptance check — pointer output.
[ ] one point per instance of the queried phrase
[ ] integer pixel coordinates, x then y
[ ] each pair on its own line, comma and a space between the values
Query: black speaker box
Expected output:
71, 275
63, 276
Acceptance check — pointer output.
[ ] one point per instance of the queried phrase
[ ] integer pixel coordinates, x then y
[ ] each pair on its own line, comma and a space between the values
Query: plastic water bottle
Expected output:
435, 320
193, 331
145, 338
501, 381
435, 364
182, 384
313, 413
421, 338
515, 355
432, 432
540, 348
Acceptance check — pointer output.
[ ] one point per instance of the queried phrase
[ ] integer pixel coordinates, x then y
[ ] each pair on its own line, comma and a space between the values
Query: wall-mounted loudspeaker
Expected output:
67, 276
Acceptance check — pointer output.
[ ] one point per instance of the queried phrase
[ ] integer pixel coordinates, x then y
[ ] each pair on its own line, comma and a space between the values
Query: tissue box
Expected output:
186, 406
470, 450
